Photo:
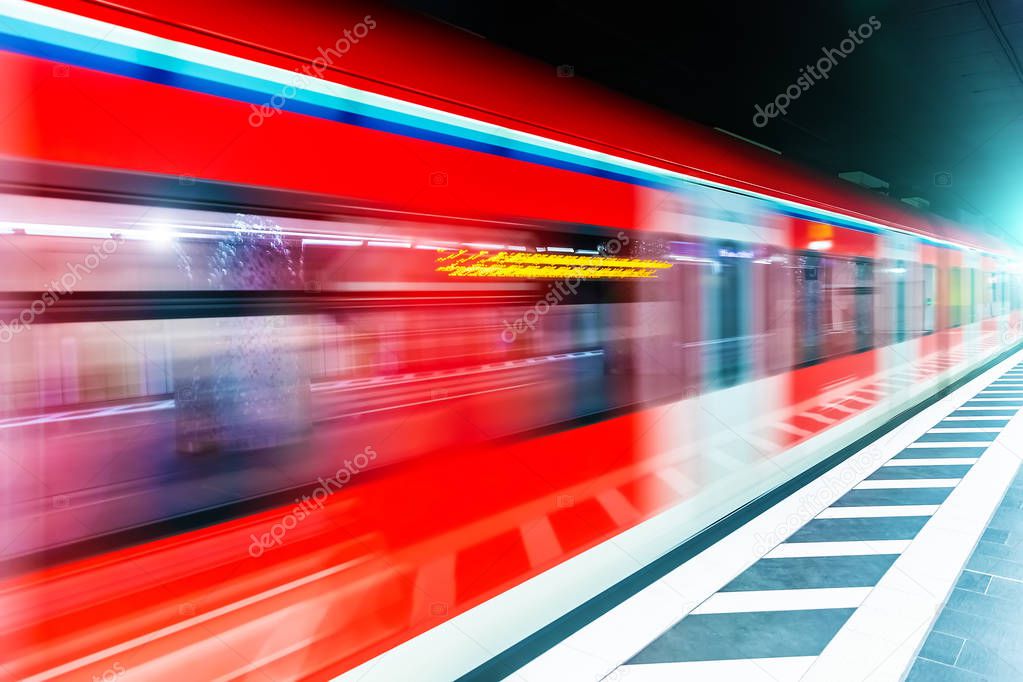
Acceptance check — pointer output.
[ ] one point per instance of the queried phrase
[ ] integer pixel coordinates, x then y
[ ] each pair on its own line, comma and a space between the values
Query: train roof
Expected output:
419, 60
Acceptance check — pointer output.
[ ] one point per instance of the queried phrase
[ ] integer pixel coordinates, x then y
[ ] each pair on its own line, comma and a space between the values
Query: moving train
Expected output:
332, 336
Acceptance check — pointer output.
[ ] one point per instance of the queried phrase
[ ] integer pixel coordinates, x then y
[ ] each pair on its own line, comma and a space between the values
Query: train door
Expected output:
900, 302
863, 307
955, 296
726, 356
808, 284
930, 294
773, 311
898, 287
975, 301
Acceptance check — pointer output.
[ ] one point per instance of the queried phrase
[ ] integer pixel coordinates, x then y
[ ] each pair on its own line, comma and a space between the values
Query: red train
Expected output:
331, 331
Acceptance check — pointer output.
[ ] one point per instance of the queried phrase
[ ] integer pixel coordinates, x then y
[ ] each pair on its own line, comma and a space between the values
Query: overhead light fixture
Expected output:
331, 242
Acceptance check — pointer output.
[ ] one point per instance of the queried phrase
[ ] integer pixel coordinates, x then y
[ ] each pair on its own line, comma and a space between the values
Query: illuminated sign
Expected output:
820, 236
732, 253
465, 263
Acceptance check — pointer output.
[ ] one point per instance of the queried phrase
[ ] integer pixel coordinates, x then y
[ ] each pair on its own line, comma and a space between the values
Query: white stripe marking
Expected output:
949, 444
908, 483
928, 461
882, 638
990, 400
784, 600
877, 512
849, 548
781, 669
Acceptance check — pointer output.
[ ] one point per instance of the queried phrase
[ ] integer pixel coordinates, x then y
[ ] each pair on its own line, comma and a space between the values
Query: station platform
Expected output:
903, 562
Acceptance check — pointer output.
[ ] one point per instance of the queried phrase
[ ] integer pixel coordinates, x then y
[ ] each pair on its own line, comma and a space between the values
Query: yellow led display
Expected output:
465, 263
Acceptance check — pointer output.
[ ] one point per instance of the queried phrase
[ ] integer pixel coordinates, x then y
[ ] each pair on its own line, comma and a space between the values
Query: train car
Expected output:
335, 339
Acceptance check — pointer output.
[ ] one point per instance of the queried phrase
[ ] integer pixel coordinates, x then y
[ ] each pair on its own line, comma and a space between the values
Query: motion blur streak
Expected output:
262, 418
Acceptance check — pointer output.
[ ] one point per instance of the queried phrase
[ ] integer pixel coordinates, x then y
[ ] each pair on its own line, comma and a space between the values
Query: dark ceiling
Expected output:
932, 102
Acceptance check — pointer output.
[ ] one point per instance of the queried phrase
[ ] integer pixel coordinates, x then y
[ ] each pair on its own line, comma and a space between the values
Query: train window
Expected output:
808, 292
61, 365
972, 313
992, 296
900, 301
914, 300
955, 297
682, 355
837, 306
999, 305
1004, 285
989, 291
996, 294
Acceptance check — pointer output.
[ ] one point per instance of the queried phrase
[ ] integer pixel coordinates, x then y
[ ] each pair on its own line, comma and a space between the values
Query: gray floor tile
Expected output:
929, 671
941, 648
1011, 590
995, 535
987, 662
1007, 518
970, 626
994, 550
986, 606
974, 582
999, 567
